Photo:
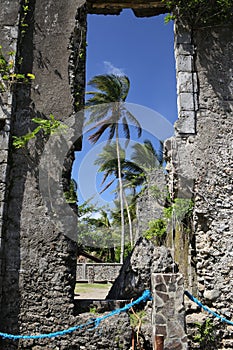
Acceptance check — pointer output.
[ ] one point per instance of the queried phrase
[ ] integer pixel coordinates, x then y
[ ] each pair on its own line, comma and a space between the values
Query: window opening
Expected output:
142, 49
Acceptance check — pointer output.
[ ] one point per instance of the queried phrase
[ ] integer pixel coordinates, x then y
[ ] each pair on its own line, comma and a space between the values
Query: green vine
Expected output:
200, 12
48, 126
23, 24
7, 75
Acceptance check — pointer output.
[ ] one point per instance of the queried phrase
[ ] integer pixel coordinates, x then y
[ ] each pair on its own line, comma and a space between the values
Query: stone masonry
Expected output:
38, 262
200, 162
168, 316
94, 273
37, 259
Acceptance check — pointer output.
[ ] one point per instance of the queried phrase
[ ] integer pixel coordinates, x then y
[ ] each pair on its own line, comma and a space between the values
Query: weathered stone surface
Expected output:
206, 160
39, 261
151, 203
135, 275
168, 317
140, 7
101, 272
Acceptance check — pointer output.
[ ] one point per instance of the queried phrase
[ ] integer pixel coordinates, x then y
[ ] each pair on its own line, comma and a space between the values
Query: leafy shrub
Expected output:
200, 12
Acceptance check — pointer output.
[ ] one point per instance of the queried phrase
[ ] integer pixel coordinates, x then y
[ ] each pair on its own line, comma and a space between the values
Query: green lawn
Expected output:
88, 287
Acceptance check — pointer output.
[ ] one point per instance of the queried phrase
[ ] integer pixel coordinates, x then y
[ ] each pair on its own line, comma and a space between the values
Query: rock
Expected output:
211, 294
135, 274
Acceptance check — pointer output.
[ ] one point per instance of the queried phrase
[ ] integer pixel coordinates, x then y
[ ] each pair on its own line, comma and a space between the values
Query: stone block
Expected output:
185, 101
182, 36
3, 168
185, 82
186, 123
4, 141
184, 63
3, 156
184, 49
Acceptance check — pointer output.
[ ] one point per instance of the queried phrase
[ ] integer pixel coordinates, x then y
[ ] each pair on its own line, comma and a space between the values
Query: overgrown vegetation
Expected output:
180, 211
137, 318
8, 77
205, 335
157, 231
200, 12
48, 126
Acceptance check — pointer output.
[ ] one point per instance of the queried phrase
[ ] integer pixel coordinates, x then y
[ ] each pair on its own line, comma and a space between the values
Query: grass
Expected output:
85, 287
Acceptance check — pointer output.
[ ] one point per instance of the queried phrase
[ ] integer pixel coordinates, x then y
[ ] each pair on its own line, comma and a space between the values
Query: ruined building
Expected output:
37, 261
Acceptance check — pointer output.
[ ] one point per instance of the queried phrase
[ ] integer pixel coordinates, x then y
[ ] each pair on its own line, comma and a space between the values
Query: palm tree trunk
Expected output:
121, 197
129, 219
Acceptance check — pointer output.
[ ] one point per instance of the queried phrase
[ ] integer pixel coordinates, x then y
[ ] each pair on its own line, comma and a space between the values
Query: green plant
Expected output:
93, 310
204, 336
25, 10
71, 194
136, 317
181, 208
7, 75
48, 126
200, 12
157, 231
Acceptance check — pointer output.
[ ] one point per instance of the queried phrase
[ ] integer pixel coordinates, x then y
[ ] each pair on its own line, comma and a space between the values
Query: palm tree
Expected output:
107, 160
144, 159
107, 112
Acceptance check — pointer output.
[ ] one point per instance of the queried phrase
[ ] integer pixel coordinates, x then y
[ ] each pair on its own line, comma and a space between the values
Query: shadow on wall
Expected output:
19, 164
212, 69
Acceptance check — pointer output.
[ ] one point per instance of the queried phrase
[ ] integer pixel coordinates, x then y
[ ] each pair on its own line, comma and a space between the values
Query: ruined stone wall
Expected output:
9, 34
91, 273
151, 202
38, 261
201, 161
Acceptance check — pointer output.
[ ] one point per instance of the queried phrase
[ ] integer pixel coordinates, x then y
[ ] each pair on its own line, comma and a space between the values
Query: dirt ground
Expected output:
91, 291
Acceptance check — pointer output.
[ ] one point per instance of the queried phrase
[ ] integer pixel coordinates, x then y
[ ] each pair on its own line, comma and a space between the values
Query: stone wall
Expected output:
9, 34
168, 317
38, 259
200, 161
97, 272
151, 203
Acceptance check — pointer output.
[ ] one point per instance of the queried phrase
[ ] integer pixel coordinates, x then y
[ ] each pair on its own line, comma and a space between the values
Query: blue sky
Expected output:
142, 49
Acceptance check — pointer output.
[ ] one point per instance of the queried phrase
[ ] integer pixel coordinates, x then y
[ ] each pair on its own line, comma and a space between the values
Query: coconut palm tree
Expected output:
144, 159
107, 112
107, 160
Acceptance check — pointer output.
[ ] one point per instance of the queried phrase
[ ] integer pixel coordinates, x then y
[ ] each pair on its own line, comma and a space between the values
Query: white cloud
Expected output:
111, 69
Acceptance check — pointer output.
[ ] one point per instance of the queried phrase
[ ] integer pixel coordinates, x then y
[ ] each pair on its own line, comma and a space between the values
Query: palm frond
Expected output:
135, 122
95, 137
112, 131
126, 128
107, 186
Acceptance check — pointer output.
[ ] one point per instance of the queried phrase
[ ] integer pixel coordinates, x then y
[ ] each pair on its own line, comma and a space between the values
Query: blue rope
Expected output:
94, 322
221, 318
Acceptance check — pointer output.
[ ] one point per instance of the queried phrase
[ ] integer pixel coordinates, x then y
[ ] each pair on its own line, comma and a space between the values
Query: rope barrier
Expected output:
95, 322
221, 318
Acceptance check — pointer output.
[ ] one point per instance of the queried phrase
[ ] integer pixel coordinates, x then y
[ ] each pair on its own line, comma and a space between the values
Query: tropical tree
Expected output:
144, 159
108, 112
107, 160
96, 232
